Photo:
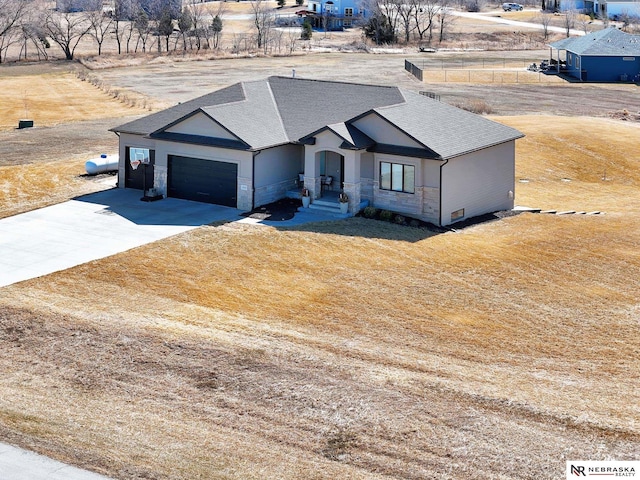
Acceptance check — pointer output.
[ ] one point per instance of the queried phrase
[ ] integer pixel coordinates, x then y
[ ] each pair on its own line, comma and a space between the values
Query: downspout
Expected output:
118, 180
440, 193
253, 178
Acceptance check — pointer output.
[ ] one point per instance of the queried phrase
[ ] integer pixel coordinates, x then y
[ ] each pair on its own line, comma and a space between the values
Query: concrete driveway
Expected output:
19, 464
94, 226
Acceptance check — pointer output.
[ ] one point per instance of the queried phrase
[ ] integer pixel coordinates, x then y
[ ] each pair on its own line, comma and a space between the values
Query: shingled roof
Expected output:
608, 42
282, 110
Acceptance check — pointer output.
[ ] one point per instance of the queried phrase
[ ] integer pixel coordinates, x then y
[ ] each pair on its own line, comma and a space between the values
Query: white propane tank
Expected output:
104, 163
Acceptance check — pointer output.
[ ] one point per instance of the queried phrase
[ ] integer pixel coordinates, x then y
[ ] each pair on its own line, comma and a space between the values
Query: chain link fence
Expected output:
478, 71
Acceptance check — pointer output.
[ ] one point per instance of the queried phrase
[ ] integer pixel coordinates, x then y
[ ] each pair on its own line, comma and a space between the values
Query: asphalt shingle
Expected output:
282, 110
607, 42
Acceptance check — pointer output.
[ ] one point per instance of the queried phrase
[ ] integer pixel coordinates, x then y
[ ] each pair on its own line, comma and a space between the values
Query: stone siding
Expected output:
273, 192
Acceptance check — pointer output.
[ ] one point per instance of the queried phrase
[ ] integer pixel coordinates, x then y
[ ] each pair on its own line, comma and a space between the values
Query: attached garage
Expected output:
201, 180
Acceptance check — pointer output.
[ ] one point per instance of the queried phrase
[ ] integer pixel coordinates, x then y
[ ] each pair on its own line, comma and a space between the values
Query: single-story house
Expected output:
251, 143
608, 55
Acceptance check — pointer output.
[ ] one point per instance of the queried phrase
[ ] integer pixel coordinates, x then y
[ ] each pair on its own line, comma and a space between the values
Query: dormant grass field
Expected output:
349, 349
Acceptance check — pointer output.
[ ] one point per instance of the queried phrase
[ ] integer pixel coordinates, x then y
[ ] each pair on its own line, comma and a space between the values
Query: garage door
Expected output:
203, 180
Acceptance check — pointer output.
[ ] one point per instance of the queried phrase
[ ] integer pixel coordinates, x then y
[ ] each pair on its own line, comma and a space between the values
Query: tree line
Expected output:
31, 26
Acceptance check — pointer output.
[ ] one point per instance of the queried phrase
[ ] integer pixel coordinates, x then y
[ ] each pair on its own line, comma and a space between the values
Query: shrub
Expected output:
307, 31
370, 212
399, 219
476, 106
386, 215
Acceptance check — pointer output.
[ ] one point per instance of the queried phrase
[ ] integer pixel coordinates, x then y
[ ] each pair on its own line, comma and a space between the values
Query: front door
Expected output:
334, 168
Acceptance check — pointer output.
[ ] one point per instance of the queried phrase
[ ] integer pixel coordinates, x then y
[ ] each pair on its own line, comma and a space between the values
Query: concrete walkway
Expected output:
91, 227
19, 464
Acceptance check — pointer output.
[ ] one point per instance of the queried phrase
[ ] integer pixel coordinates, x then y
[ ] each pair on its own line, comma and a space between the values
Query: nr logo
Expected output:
578, 471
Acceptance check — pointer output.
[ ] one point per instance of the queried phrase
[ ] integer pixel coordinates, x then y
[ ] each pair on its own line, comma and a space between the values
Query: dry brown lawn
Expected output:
54, 98
45, 165
348, 349
351, 349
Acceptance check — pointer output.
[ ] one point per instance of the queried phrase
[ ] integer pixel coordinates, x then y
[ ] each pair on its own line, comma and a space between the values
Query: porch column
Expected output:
311, 171
352, 179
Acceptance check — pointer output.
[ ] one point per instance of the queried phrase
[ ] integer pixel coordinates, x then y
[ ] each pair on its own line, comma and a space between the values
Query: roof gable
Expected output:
351, 137
607, 42
256, 119
446, 130
158, 120
199, 123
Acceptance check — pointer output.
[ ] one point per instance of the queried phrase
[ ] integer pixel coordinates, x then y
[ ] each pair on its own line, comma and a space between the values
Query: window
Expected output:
348, 12
397, 177
569, 57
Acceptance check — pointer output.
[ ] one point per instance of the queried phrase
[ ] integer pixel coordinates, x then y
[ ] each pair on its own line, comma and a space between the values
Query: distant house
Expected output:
255, 142
616, 8
609, 55
127, 9
334, 14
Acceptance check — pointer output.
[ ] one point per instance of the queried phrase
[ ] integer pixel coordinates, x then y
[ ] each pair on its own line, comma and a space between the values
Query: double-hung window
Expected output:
397, 177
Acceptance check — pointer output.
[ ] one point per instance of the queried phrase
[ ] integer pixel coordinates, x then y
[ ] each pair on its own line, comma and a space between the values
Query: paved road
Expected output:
490, 18
19, 464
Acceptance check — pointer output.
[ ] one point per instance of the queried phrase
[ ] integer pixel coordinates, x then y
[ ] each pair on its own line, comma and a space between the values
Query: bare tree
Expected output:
424, 16
263, 20
66, 30
391, 10
584, 21
293, 35
197, 15
11, 15
100, 23
184, 25
569, 21
445, 19
120, 14
406, 17
545, 20
33, 34
143, 28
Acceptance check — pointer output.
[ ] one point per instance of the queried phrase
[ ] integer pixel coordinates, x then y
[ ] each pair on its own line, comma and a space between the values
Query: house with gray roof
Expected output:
608, 55
255, 142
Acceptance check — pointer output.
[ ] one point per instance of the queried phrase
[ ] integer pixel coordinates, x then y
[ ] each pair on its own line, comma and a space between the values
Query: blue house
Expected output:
335, 14
609, 55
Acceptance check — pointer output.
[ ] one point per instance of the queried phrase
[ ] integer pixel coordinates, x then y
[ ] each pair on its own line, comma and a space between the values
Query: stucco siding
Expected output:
276, 171
383, 132
200, 124
480, 182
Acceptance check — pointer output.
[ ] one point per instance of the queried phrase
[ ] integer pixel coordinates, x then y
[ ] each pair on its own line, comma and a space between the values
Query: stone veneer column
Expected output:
353, 191
245, 195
